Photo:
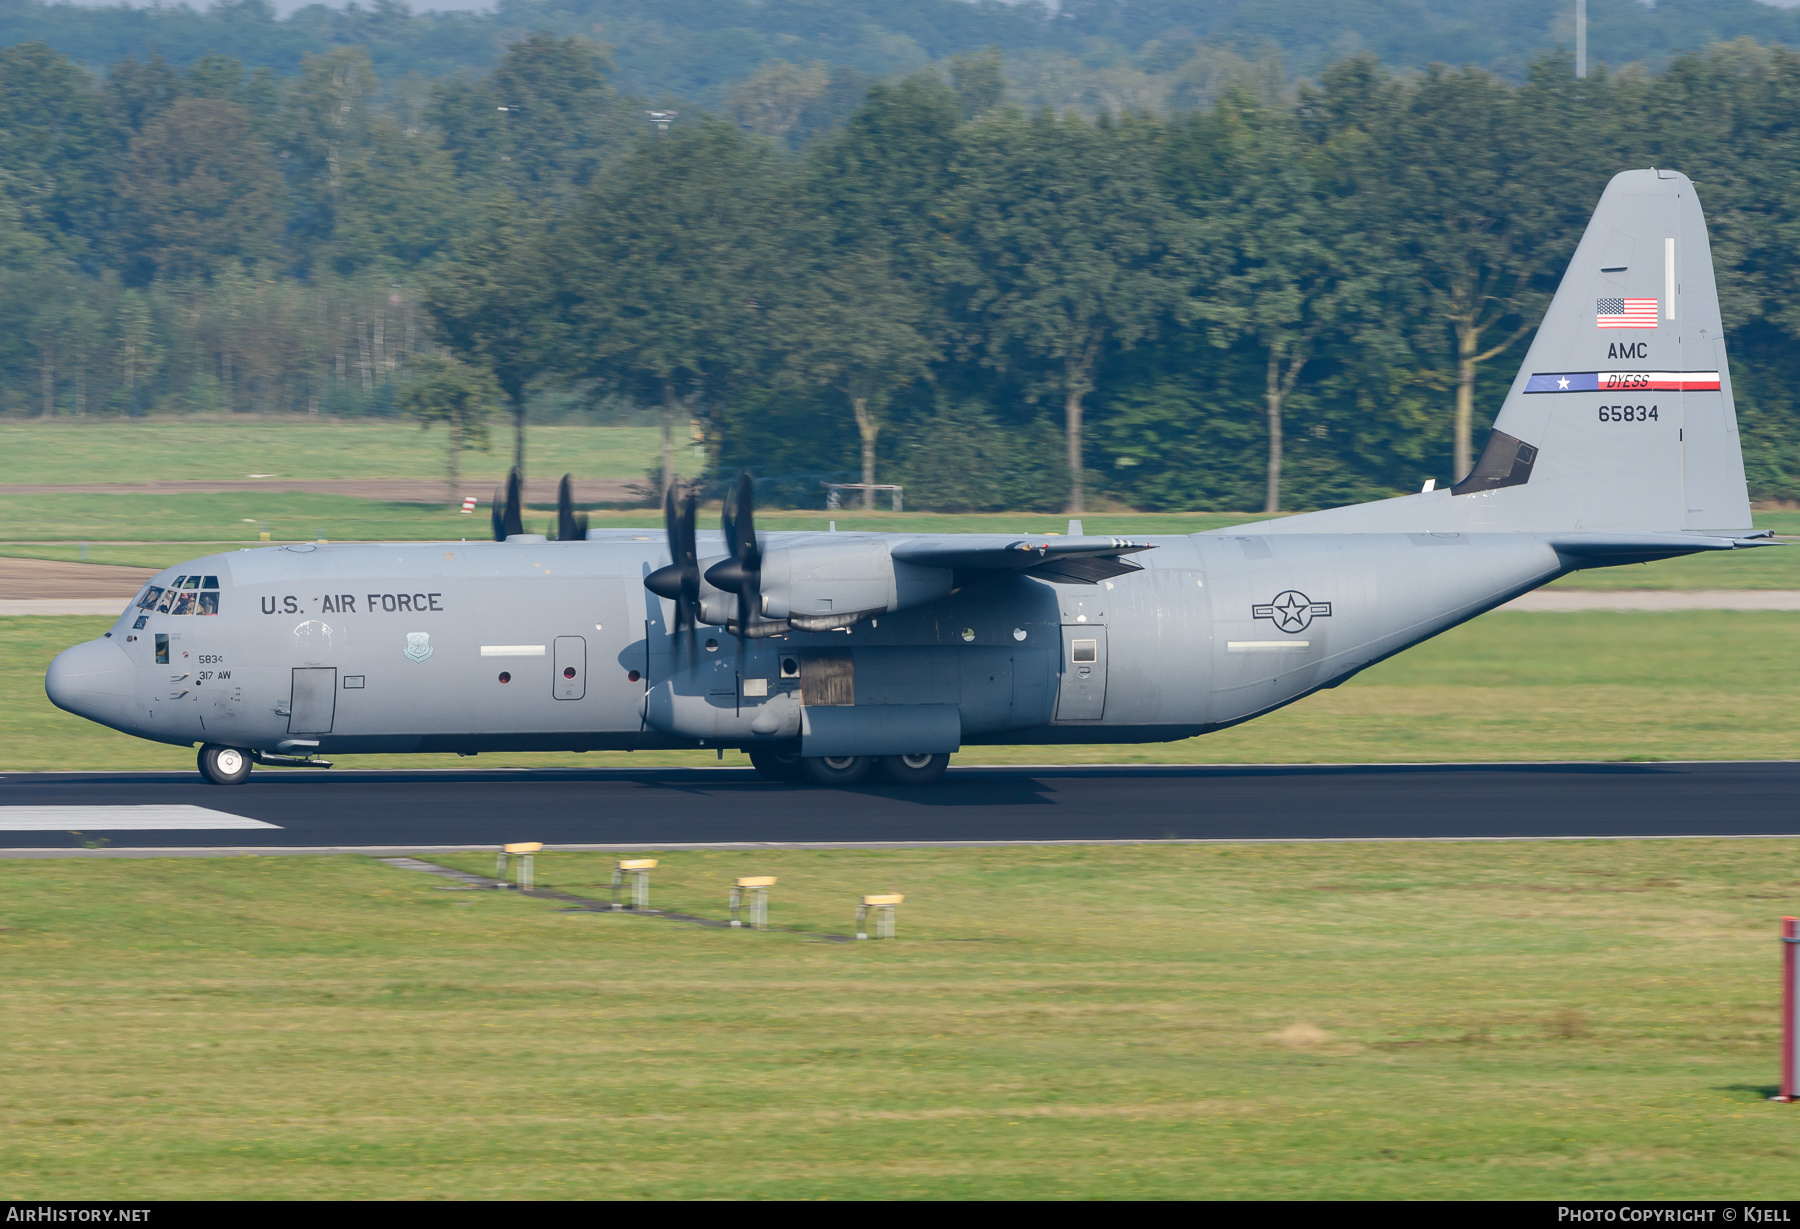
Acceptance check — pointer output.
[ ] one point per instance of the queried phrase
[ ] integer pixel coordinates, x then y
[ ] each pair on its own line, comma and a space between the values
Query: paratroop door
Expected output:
314, 700
569, 682
1082, 693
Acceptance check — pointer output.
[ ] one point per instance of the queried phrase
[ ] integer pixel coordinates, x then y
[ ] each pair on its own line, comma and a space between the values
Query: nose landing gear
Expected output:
224, 765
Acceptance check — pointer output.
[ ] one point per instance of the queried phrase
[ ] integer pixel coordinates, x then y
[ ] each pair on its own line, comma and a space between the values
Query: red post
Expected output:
1790, 939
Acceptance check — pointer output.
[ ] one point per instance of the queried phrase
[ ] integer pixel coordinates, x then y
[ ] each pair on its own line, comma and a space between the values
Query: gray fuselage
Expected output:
529, 645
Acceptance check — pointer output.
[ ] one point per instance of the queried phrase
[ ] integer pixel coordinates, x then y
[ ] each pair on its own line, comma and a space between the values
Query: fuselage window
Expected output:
162, 649
1084, 650
209, 604
152, 595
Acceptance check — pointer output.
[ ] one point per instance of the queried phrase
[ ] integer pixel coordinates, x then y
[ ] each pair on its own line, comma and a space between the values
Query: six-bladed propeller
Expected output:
741, 573
508, 513
680, 580
570, 527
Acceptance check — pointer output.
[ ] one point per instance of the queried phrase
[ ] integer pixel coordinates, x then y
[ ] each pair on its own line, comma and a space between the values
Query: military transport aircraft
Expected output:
832, 656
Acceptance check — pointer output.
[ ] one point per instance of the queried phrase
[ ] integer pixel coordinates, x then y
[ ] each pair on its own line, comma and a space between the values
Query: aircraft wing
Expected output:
1084, 560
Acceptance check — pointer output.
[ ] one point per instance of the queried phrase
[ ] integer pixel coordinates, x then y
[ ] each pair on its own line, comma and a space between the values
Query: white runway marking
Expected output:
120, 819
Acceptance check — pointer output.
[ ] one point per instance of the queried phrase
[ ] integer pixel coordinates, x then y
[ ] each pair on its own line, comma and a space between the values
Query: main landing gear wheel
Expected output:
839, 769
914, 769
224, 765
777, 763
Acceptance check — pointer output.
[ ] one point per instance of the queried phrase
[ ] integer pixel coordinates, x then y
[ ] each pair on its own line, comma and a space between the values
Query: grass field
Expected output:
230, 449
1405, 1020
1592, 686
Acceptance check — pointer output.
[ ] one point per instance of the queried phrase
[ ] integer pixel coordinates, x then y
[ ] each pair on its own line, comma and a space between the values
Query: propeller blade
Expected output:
679, 582
742, 572
513, 519
689, 610
497, 512
570, 526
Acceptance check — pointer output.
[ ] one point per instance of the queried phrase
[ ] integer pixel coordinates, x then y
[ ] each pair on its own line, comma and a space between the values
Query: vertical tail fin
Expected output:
1621, 418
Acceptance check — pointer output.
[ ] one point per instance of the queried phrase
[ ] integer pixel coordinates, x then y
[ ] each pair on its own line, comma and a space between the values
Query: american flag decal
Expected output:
1625, 314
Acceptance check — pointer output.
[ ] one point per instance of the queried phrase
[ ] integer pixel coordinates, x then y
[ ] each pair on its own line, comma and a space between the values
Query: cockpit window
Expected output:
152, 595
192, 582
184, 602
211, 582
169, 595
209, 603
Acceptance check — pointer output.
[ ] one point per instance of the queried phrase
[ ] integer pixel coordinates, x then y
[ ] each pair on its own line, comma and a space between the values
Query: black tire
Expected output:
839, 770
914, 769
224, 765
777, 762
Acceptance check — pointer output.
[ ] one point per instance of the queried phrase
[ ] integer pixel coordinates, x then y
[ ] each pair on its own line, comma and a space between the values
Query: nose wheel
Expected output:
224, 765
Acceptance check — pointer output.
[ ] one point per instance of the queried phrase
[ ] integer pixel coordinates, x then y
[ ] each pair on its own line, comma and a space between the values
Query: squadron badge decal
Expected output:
1292, 611
418, 645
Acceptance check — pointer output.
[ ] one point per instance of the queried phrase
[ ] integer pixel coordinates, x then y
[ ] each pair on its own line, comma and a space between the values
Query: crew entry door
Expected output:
1081, 696
314, 701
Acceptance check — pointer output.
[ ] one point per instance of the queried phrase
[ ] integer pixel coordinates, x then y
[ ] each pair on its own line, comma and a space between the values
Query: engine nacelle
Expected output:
833, 584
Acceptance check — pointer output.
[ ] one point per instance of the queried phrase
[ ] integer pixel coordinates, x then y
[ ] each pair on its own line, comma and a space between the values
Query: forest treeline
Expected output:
1071, 52
1281, 299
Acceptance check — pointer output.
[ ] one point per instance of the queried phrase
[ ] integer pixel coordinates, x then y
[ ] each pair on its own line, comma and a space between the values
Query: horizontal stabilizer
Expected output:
1595, 548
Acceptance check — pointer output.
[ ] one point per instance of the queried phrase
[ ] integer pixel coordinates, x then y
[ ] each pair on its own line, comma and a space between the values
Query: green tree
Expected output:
1477, 232
771, 101
542, 124
1074, 253
203, 189
1281, 269
663, 269
54, 147
849, 323
399, 206
492, 306
325, 123
460, 398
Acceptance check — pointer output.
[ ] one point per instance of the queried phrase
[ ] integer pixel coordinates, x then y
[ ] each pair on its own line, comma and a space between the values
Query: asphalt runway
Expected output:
397, 811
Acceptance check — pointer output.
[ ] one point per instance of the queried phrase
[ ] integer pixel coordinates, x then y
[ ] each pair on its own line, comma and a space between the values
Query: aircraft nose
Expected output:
93, 680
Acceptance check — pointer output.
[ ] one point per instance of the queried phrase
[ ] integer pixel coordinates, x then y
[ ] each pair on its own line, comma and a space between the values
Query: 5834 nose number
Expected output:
1628, 413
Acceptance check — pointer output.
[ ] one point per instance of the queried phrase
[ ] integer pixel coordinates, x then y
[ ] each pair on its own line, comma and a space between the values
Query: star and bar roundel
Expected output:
1291, 611
1623, 382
